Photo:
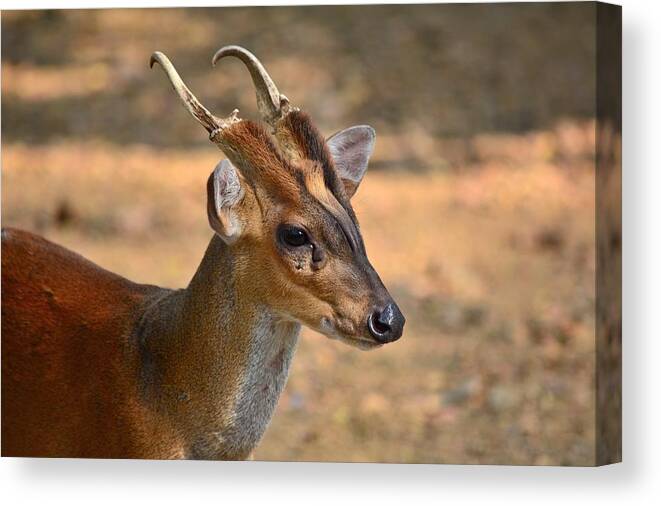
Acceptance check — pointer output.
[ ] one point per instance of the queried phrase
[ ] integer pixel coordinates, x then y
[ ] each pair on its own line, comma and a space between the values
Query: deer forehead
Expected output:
290, 179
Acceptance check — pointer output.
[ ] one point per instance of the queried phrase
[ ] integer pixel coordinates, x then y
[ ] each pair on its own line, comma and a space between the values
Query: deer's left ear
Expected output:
351, 150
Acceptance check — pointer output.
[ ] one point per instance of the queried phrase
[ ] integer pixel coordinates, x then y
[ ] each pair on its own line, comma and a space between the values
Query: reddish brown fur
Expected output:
253, 151
67, 351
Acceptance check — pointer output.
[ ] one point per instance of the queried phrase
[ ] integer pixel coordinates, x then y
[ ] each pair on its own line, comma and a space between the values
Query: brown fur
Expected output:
312, 146
252, 150
283, 168
68, 365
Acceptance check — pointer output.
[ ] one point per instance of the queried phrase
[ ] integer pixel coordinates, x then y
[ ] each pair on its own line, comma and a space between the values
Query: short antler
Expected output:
211, 123
271, 104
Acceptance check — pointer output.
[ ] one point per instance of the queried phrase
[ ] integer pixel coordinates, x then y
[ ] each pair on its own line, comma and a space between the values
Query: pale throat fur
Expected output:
213, 361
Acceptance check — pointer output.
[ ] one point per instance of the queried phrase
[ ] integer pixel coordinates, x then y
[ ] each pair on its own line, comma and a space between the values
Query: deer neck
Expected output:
215, 358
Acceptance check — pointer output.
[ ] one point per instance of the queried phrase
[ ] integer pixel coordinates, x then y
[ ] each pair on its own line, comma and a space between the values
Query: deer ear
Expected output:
351, 150
224, 192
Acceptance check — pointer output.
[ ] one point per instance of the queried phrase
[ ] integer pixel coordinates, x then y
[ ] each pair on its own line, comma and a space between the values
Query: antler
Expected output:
211, 123
271, 104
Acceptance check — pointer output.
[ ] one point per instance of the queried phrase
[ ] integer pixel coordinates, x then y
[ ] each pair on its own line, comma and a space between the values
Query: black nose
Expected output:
386, 325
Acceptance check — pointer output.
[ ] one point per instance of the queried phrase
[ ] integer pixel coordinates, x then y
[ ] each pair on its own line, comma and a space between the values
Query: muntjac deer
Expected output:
94, 365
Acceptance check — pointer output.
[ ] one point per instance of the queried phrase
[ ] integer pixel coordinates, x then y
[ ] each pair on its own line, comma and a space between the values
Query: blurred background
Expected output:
477, 210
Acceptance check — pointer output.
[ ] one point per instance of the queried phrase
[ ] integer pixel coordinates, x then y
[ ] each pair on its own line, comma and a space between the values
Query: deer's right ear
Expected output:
224, 192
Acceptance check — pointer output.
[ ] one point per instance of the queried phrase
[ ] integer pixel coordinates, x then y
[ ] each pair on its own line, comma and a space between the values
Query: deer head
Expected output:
281, 203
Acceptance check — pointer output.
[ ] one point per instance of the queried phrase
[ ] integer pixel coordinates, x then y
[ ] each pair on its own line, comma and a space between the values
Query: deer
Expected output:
97, 366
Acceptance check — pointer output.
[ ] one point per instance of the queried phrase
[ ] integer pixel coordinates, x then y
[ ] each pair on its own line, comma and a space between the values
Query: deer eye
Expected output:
293, 236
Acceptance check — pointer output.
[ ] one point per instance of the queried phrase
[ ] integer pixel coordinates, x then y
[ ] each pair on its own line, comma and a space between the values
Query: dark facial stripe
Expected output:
312, 146
337, 214
354, 244
310, 142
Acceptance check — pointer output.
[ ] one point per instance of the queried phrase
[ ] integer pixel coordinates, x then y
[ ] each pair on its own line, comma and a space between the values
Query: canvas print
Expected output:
321, 233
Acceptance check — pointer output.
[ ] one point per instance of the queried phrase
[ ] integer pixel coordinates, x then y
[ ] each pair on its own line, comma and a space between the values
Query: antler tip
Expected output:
155, 57
223, 51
